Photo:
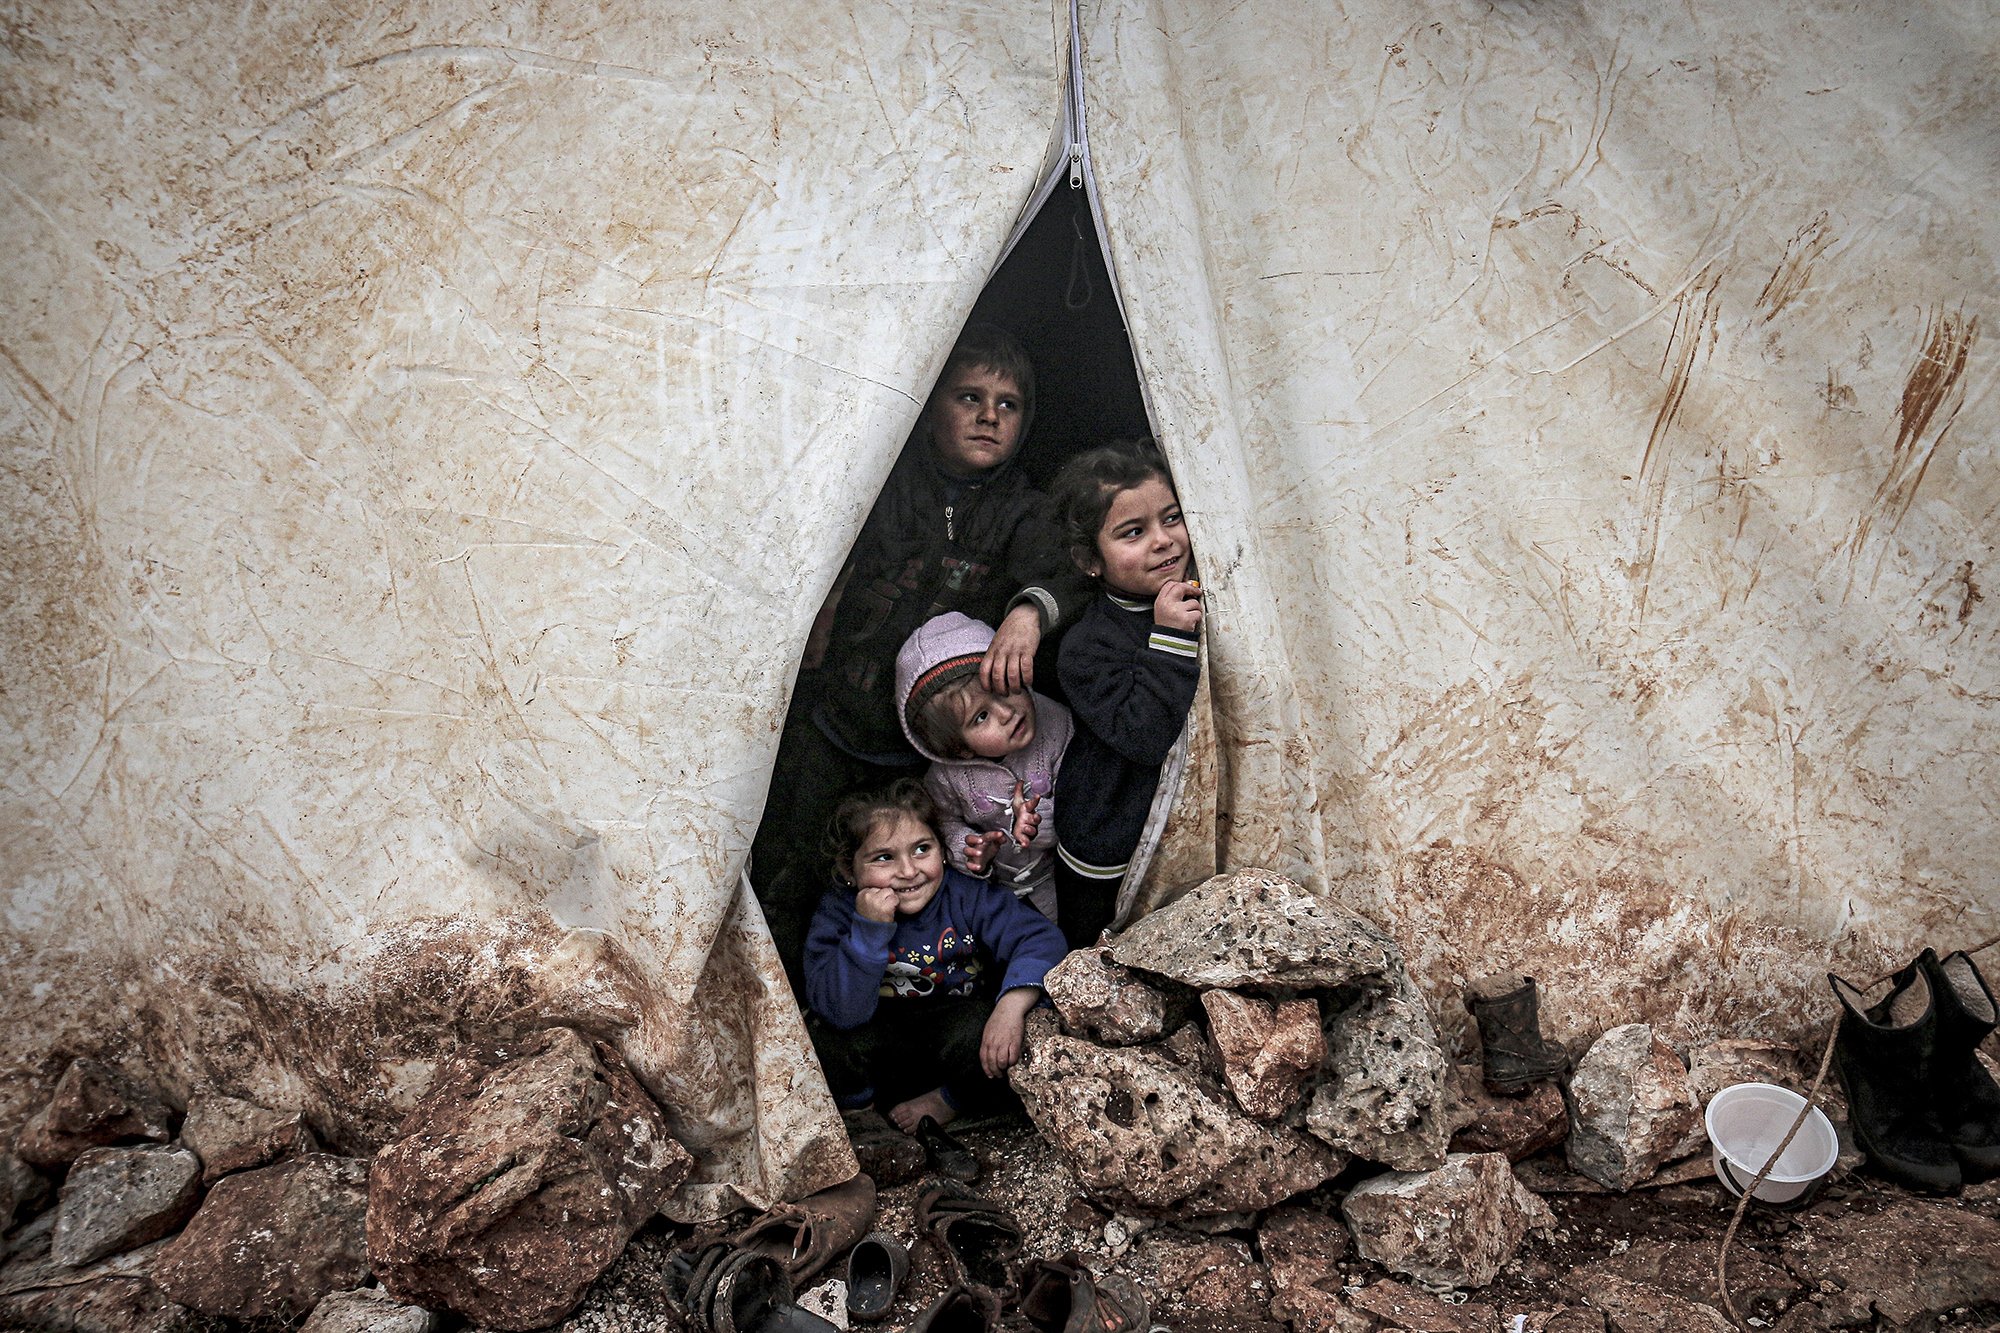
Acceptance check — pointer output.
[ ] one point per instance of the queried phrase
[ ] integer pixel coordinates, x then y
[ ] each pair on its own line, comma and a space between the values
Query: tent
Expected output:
431, 430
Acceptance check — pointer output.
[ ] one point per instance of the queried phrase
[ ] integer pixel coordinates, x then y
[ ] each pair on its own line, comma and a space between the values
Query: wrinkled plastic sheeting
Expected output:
430, 432
1586, 419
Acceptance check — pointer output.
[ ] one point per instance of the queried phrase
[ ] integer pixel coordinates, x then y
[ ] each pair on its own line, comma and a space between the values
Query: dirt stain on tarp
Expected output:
1694, 331
1933, 393
1789, 278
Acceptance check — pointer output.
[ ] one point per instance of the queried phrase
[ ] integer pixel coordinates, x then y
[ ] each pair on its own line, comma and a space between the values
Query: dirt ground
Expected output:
1209, 1279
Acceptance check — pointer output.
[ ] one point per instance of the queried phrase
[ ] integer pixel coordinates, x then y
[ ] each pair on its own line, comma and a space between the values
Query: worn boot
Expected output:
1885, 1054
1508, 1011
1968, 1100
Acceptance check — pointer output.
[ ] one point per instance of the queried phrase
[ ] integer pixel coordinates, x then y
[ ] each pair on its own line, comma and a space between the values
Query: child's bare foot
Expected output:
908, 1114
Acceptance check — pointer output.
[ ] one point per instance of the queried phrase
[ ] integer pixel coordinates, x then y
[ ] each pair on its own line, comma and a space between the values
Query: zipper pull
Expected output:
949, 535
1076, 166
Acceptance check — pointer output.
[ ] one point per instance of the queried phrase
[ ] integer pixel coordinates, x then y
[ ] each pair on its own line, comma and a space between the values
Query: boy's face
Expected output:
975, 419
1143, 544
901, 854
994, 726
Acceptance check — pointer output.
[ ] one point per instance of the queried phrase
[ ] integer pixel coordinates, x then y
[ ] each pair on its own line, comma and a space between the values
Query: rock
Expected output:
1453, 1227
1258, 931
368, 1310
1303, 1247
92, 1106
1912, 1261
1108, 1003
1632, 1107
1268, 1052
1516, 1126
1213, 1274
1716, 1065
22, 1189
1637, 1307
117, 1199
269, 1243
109, 1296
1571, 1319
1143, 1133
1382, 1091
1688, 1270
230, 1134
1402, 1306
518, 1179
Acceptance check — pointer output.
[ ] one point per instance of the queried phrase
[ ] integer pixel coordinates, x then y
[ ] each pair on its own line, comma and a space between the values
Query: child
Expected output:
1128, 667
993, 758
918, 977
956, 528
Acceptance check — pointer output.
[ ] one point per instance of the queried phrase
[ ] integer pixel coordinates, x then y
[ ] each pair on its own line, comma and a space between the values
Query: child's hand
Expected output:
1000, 1042
876, 904
1027, 819
1178, 606
979, 849
1009, 664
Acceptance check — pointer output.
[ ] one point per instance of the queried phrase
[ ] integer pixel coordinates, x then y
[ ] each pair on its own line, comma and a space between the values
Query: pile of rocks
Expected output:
1247, 1043
514, 1184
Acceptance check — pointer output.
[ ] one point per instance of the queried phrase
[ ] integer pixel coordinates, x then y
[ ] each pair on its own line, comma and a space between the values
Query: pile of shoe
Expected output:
746, 1283
1921, 1104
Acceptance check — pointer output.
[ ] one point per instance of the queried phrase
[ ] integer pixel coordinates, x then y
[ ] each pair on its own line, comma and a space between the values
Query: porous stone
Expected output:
1382, 1092
230, 1134
1570, 1319
93, 1106
1143, 1133
109, 1295
1631, 1107
1402, 1306
270, 1243
1456, 1226
117, 1199
518, 1179
1268, 1052
1303, 1247
1640, 1307
1688, 1270
1258, 931
1715, 1065
1208, 1273
368, 1310
1107, 1003
1517, 1126
1911, 1262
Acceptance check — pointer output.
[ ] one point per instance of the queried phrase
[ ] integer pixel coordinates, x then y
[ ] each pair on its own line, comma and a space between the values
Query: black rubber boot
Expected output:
1885, 1055
1968, 1100
1509, 1014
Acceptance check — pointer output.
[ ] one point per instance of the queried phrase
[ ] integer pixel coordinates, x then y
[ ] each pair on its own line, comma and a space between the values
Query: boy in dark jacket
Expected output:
956, 528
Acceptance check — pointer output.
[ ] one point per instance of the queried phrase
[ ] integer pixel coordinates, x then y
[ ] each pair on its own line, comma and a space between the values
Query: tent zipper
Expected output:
949, 535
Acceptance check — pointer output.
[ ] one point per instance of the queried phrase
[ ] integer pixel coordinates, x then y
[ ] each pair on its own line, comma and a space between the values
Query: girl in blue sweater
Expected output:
918, 977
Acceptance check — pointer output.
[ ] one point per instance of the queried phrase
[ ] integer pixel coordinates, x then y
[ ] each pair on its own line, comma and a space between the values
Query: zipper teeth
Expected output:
949, 535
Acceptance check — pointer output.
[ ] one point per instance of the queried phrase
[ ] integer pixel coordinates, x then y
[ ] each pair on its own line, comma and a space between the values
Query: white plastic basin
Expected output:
1747, 1120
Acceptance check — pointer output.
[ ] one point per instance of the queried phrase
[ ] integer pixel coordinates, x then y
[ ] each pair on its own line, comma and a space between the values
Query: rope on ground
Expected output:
1812, 1100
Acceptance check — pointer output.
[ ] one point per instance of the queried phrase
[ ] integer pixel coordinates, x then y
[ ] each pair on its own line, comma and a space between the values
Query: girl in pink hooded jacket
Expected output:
993, 757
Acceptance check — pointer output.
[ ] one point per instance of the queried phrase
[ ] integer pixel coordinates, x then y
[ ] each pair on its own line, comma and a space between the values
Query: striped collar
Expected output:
1128, 603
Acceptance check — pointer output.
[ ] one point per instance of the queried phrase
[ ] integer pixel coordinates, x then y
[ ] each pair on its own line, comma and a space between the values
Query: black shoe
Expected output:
947, 1156
1885, 1054
1509, 1014
1968, 1100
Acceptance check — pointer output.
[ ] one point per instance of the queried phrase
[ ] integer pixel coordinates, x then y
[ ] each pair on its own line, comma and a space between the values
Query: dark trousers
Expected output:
1084, 906
789, 864
908, 1048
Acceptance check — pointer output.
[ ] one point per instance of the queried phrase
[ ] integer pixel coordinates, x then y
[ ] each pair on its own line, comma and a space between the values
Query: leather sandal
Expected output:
1061, 1296
978, 1238
808, 1235
875, 1273
947, 1156
959, 1309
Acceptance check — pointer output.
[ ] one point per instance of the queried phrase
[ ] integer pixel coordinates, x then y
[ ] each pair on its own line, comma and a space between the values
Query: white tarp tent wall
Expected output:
430, 433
